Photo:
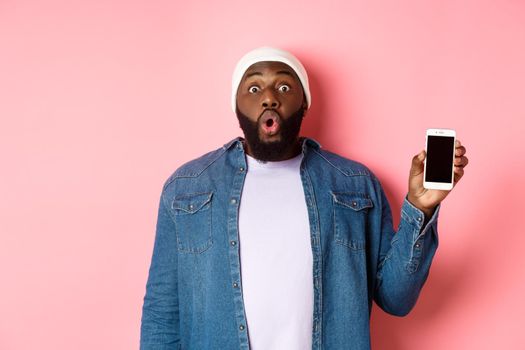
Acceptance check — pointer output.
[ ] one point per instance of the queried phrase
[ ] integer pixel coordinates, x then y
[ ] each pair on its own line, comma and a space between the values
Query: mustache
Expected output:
269, 110
268, 151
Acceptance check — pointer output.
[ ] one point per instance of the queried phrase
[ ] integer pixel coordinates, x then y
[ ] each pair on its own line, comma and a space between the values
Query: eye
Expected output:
253, 89
284, 88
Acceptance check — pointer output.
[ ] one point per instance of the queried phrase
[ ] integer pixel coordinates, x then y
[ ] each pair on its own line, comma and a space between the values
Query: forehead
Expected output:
269, 68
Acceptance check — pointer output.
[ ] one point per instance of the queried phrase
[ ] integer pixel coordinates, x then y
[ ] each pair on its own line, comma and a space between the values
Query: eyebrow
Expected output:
279, 72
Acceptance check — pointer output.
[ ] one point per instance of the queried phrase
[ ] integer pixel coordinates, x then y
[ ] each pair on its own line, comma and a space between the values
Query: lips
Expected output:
270, 122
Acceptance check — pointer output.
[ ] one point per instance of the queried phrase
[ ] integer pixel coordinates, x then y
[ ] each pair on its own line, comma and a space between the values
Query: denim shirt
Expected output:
193, 296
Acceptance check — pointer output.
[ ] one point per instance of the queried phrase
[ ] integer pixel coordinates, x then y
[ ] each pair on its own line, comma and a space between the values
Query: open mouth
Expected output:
270, 122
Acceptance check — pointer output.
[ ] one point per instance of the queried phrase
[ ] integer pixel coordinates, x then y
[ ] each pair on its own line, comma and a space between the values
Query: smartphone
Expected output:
439, 162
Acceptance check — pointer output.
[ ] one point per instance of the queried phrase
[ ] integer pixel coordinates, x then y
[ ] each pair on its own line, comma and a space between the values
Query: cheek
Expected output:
295, 98
292, 104
248, 108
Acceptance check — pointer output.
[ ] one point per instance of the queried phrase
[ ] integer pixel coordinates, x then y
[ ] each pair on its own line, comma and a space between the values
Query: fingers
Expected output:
460, 161
417, 163
460, 150
418, 158
458, 174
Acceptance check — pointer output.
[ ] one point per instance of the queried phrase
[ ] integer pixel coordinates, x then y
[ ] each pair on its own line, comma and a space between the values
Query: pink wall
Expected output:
101, 100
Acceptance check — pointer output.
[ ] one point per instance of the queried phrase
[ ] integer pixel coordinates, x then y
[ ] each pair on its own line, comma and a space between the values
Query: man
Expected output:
271, 242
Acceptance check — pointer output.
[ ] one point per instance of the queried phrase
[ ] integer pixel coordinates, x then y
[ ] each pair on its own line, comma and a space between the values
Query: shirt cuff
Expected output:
416, 218
423, 241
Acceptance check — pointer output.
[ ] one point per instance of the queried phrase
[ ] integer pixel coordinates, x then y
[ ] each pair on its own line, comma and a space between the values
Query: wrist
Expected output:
428, 212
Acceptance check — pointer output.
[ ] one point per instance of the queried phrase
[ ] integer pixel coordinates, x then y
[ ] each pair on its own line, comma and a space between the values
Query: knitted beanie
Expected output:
262, 54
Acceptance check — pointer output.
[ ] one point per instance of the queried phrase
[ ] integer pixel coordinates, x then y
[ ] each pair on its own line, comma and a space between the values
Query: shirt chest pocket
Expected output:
192, 214
350, 211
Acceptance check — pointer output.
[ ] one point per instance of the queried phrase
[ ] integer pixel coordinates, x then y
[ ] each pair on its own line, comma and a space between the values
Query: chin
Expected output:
269, 139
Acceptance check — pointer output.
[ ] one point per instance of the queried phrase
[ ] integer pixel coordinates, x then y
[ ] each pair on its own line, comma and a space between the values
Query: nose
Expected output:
269, 100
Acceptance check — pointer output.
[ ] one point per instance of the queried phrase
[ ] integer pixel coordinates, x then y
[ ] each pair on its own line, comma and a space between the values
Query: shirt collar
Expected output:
306, 142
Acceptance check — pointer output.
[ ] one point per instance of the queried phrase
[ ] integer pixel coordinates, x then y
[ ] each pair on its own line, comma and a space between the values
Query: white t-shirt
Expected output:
276, 256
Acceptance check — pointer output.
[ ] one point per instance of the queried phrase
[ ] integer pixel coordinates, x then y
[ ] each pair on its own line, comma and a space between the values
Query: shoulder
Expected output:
346, 166
195, 167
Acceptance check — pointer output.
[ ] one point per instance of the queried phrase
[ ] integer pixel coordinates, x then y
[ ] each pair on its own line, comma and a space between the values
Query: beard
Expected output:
271, 150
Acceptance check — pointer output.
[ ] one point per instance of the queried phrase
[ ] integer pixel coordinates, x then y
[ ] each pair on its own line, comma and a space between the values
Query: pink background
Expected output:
101, 100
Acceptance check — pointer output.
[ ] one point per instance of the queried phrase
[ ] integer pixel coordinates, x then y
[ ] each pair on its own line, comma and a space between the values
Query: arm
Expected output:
160, 312
404, 258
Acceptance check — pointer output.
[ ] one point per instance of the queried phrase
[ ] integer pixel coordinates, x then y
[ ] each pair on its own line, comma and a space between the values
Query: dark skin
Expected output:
274, 85
271, 85
427, 200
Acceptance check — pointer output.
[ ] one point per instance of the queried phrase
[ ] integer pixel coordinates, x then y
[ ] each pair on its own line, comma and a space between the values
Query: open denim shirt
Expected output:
193, 296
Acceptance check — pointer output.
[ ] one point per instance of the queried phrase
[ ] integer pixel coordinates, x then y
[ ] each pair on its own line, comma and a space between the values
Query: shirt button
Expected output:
241, 169
418, 245
233, 201
190, 206
235, 285
241, 327
354, 204
233, 243
419, 218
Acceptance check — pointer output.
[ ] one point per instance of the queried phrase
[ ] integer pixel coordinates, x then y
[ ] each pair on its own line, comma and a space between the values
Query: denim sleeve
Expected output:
160, 312
404, 257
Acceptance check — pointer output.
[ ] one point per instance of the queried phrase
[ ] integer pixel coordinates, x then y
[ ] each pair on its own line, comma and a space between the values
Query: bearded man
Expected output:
272, 242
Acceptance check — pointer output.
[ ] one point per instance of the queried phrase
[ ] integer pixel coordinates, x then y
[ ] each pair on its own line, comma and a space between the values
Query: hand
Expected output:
427, 200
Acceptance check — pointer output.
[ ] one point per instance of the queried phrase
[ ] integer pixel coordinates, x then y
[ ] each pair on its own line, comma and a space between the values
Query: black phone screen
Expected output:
440, 150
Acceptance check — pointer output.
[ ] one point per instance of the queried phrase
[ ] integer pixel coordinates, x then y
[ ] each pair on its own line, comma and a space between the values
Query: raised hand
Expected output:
425, 199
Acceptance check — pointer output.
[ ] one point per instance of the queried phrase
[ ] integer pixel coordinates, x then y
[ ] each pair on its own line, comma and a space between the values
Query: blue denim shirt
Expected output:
193, 296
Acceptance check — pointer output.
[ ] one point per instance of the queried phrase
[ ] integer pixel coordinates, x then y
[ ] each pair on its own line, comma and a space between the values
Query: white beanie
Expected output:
262, 54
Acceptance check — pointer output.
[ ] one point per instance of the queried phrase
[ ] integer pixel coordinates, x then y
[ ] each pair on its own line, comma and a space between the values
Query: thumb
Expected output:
417, 163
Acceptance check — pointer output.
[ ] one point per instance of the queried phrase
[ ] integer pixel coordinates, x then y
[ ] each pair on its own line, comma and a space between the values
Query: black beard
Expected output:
274, 150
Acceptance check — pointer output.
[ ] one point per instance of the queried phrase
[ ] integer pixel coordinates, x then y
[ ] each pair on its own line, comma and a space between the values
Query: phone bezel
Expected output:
439, 185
